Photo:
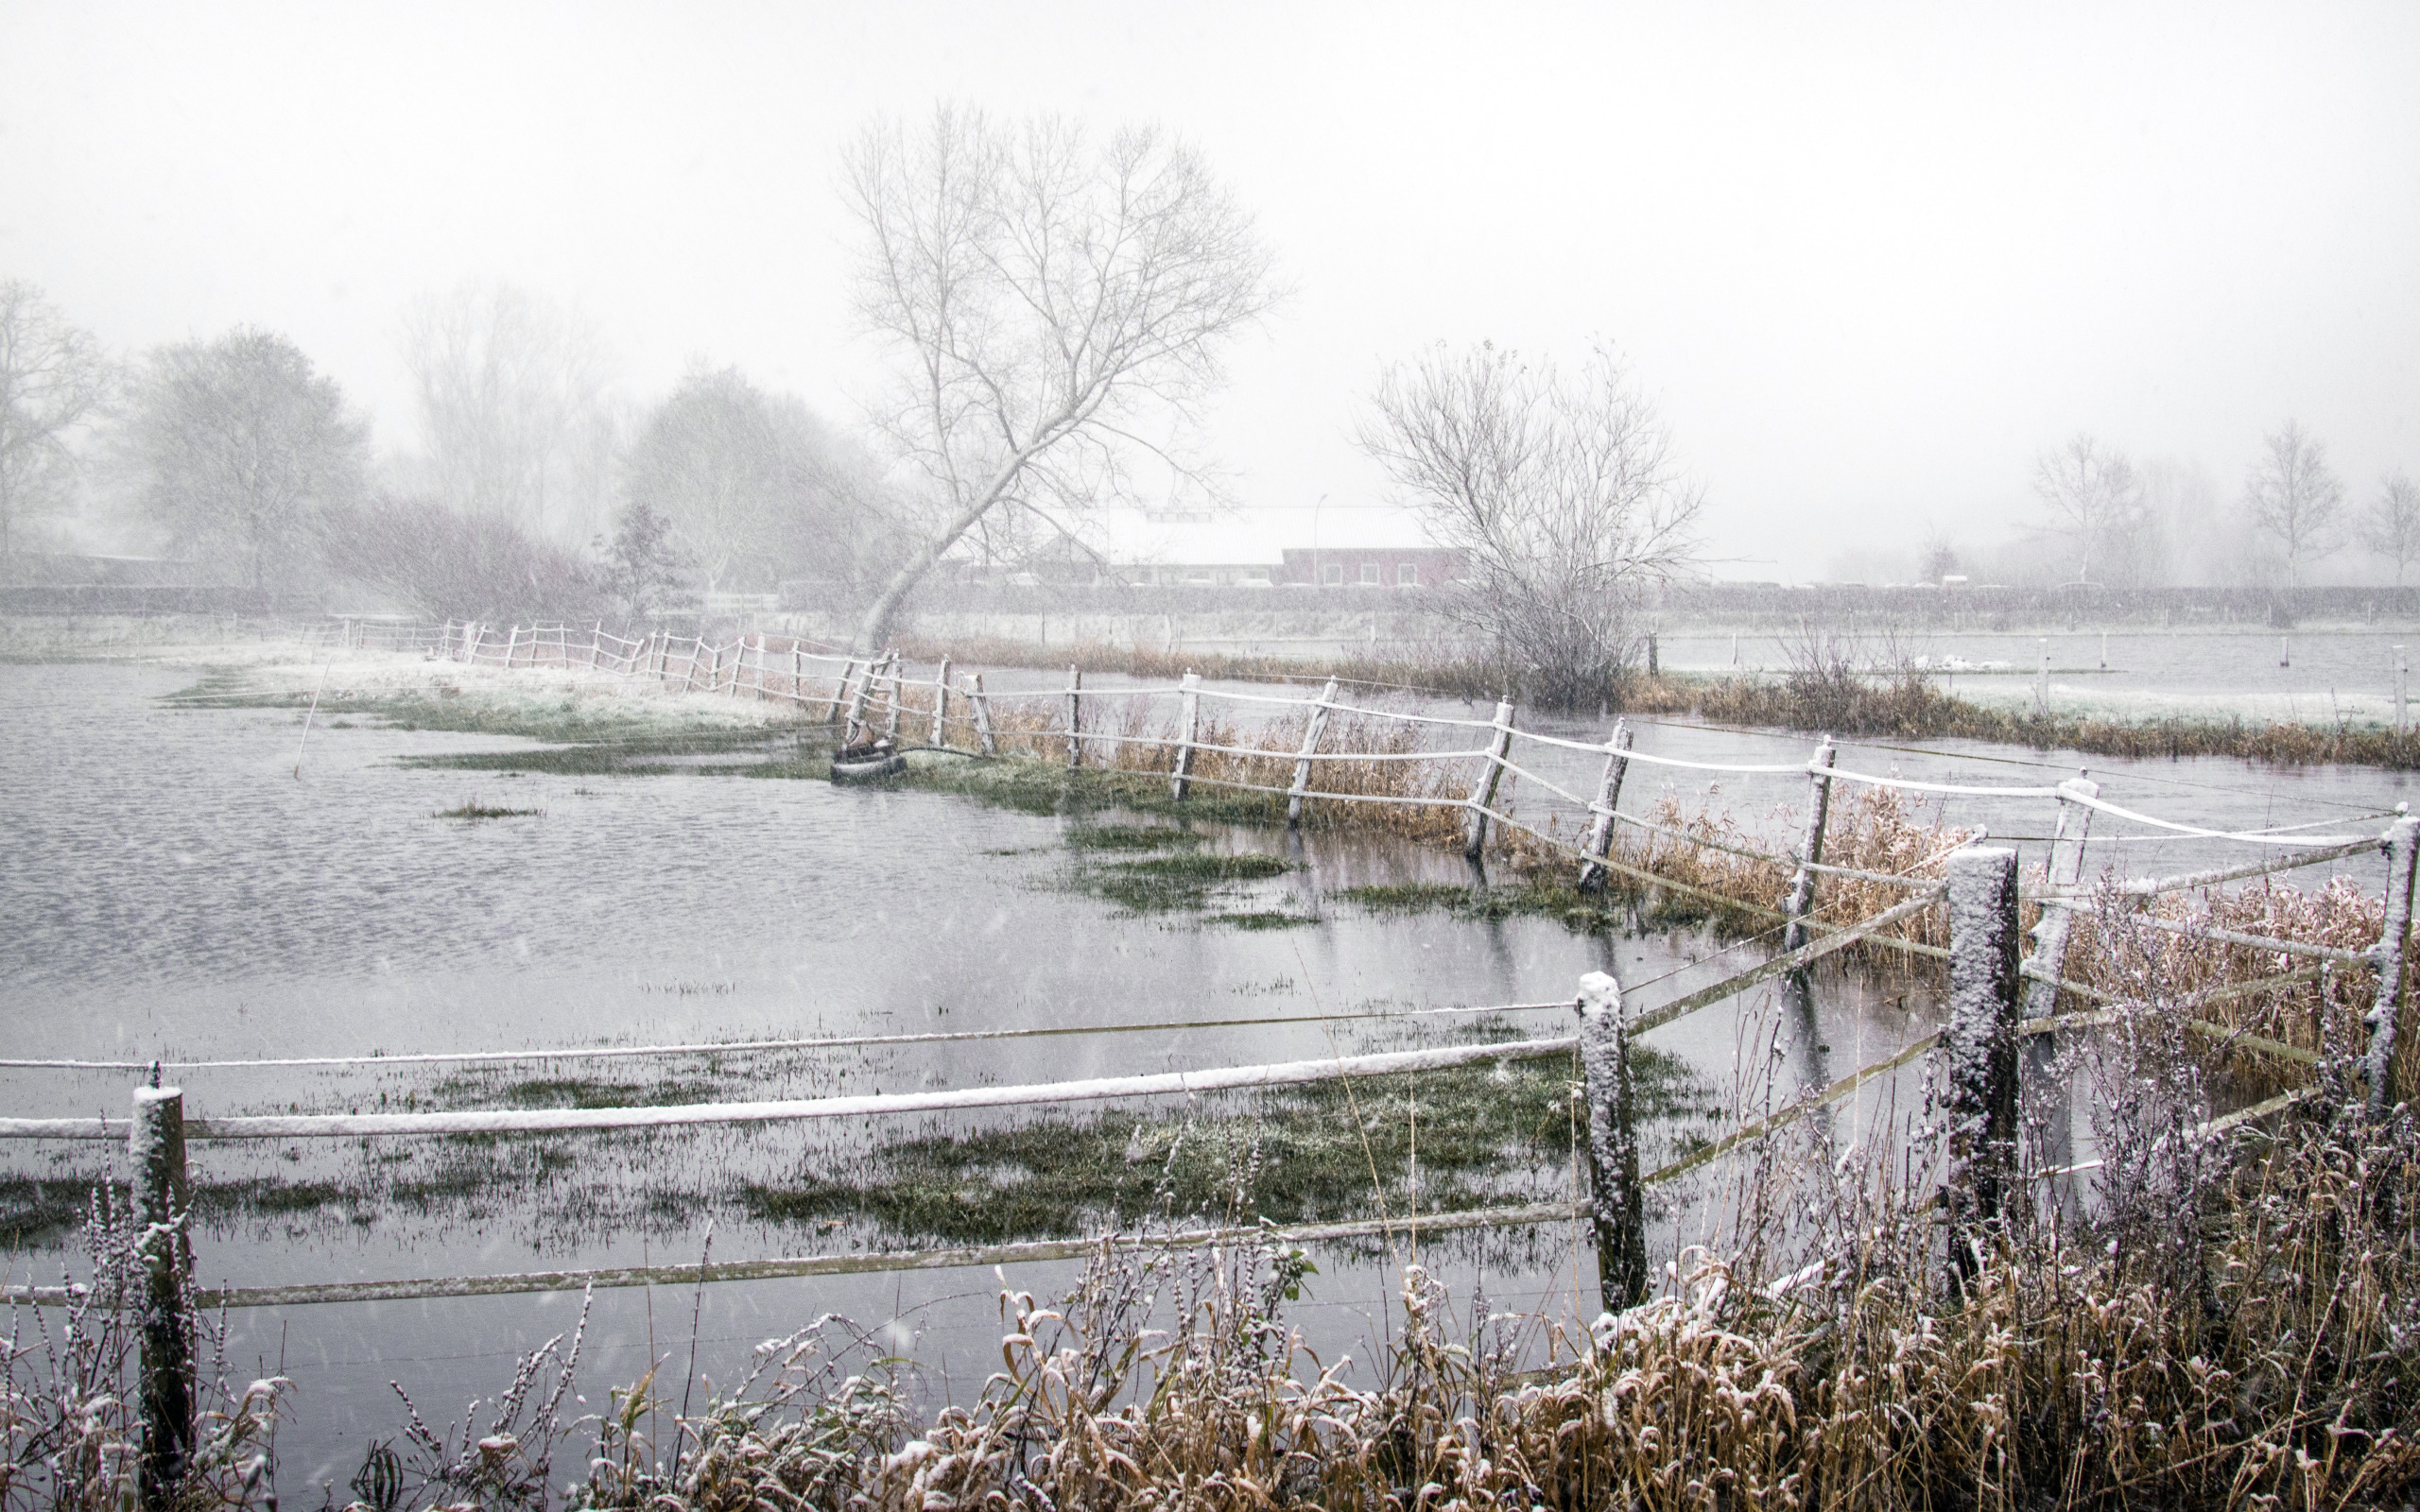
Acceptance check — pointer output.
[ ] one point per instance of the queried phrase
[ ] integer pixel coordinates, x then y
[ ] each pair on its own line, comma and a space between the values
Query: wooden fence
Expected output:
2003, 1000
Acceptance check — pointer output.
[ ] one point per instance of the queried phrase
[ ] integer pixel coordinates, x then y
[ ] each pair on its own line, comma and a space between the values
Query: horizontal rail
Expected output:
2267, 942
1795, 961
751, 1270
565, 1120
1748, 1133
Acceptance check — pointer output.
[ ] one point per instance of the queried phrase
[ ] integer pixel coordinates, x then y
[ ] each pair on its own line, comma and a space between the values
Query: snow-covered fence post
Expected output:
2042, 689
941, 704
511, 646
2386, 1011
597, 645
1981, 1041
1619, 1205
1312, 730
156, 1150
856, 705
1189, 732
2048, 962
1483, 791
891, 693
1075, 718
1810, 845
981, 707
1600, 843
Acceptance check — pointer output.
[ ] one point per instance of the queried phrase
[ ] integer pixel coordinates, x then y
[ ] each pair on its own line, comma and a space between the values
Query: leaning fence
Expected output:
2005, 1001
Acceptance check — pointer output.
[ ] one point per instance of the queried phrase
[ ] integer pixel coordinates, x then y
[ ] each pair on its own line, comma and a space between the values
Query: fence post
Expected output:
2386, 1012
1600, 843
156, 1148
1315, 726
1189, 719
1483, 792
857, 702
1620, 1208
890, 711
1981, 1040
941, 704
2402, 686
2049, 958
597, 645
981, 708
1075, 718
1810, 845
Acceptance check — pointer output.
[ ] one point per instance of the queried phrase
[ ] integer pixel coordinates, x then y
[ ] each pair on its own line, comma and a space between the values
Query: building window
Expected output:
1332, 577
1370, 572
1407, 576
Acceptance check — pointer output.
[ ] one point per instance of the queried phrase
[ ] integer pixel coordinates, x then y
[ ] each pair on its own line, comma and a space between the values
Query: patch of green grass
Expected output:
1188, 880
1130, 837
1582, 912
483, 811
35, 1209
1484, 1134
1261, 919
1047, 787
581, 1092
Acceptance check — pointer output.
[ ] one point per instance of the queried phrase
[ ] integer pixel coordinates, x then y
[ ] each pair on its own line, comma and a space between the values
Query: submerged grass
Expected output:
1297, 1155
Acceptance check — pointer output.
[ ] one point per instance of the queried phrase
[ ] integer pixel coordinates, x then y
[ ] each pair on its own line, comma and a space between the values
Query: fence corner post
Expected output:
1600, 843
1189, 718
1619, 1205
981, 709
1483, 792
156, 1148
1810, 845
1314, 728
1981, 1041
2386, 1011
940, 705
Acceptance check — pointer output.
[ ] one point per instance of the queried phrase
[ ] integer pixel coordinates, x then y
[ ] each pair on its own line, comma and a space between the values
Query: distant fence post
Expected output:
1189, 724
1315, 726
2386, 1012
941, 704
1075, 718
1600, 843
156, 1148
981, 707
1810, 845
1621, 1208
1981, 1040
2404, 675
597, 645
1483, 791
839, 700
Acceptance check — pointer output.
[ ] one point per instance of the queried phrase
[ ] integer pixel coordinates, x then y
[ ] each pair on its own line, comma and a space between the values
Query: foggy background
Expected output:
1870, 260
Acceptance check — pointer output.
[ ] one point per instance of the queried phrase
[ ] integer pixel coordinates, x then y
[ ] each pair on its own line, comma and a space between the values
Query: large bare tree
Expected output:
514, 418
1057, 302
1562, 494
2093, 499
238, 447
52, 378
2295, 498
2390, 525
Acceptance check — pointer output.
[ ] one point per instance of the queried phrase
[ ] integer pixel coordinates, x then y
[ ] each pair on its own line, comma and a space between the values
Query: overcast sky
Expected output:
1871, 257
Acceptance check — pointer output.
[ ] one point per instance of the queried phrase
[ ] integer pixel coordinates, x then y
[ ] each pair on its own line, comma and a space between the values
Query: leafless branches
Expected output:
2390, 525
2093, 496
1563, 496
1057, 302
238, 445
52, 377
2295, 497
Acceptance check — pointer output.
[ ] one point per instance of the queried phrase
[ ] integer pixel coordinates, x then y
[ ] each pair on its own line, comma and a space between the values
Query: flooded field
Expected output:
178, 893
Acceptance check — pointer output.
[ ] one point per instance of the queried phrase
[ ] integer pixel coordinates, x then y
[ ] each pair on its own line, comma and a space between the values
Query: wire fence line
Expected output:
862, 694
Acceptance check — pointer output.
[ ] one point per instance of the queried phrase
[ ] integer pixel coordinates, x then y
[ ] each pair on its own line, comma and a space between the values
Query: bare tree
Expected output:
2094, 499
1050, 296
52, 378
238, 447
512, 395
1562, 496
754, 485
2294, 496
2390, 525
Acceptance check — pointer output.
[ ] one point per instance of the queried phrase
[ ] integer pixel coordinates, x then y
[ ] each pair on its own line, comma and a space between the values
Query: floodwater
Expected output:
176, 893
